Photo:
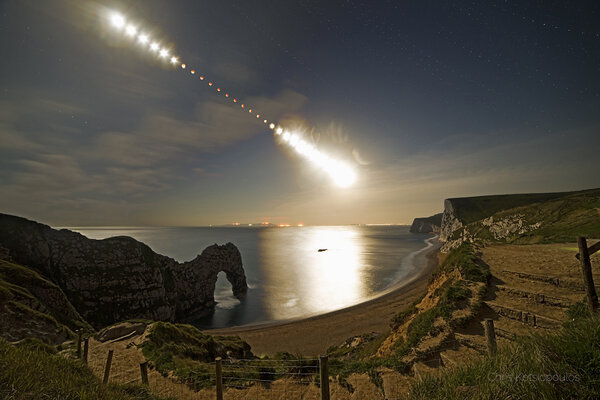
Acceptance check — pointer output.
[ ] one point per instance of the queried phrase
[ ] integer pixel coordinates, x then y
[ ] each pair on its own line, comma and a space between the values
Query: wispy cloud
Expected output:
49, 161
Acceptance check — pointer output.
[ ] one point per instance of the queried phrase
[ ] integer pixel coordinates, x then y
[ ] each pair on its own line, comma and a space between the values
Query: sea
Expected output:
288, 277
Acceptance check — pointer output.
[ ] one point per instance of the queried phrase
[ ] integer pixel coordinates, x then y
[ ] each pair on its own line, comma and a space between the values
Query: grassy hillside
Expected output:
25, 283
32, 306
561, 366
565, 364
554, 217
453, 299
471, 209
32, 371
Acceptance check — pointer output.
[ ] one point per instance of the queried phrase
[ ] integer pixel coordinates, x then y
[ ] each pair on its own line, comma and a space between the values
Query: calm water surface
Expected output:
287, 276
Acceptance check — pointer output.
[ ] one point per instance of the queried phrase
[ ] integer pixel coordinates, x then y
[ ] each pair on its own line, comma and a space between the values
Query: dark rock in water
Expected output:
120, 278
427, 224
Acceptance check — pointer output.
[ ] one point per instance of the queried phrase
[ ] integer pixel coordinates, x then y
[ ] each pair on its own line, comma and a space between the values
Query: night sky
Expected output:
427, 99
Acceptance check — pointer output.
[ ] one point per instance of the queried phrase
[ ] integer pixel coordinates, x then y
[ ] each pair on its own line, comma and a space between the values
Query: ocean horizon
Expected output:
288, 277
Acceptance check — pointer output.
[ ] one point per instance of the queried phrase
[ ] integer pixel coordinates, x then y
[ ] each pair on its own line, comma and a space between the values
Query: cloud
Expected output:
162, 137
12, 140
50, 162
31, 121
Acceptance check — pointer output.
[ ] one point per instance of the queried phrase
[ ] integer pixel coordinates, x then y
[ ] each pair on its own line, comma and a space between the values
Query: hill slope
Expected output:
32, 306
32, 371
521, 218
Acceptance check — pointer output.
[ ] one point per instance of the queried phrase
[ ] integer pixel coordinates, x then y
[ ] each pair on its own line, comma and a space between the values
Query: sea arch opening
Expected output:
224, 296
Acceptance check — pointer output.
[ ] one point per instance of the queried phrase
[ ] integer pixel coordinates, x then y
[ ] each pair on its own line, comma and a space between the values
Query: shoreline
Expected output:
314, 334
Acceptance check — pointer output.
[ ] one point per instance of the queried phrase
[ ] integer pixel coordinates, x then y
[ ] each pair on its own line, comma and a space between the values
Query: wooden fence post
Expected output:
490, 335
144, 372
586, 269
79, 333
107, 369
86, 344
219, 378
324, 377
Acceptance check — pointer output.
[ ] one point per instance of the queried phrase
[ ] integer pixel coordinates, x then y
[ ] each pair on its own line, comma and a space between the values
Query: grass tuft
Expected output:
29, 371
465, 259
563, 365
185, 351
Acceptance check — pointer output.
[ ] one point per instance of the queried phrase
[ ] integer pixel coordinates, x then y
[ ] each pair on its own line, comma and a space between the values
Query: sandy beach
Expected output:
313, 335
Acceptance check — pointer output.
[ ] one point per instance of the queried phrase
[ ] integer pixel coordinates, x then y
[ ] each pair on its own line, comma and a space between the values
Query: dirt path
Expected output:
530, 290
125, 368
534, 285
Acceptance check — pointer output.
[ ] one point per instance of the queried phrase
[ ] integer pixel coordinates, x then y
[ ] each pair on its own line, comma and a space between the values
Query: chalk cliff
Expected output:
520, 218
427, 224
120, 278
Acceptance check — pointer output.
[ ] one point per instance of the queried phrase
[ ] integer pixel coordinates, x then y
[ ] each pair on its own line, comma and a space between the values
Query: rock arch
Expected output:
194, 294
121, 278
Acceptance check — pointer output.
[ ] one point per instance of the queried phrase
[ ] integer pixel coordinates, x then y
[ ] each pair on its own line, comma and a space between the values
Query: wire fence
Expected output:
290, 379
271, 379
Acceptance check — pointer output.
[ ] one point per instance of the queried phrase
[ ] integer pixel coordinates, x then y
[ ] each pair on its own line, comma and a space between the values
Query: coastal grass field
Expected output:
557, 366
544, 217
471, 209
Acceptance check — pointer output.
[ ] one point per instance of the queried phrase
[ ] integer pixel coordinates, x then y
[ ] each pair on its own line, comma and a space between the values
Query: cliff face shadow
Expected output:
491, 292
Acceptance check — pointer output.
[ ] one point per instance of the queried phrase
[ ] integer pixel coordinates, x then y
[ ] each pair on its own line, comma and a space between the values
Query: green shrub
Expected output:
186, 351
464, 258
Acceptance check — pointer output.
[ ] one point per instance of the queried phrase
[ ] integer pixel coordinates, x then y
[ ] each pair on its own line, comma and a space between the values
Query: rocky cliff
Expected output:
521, 218
427, 224
120, 278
